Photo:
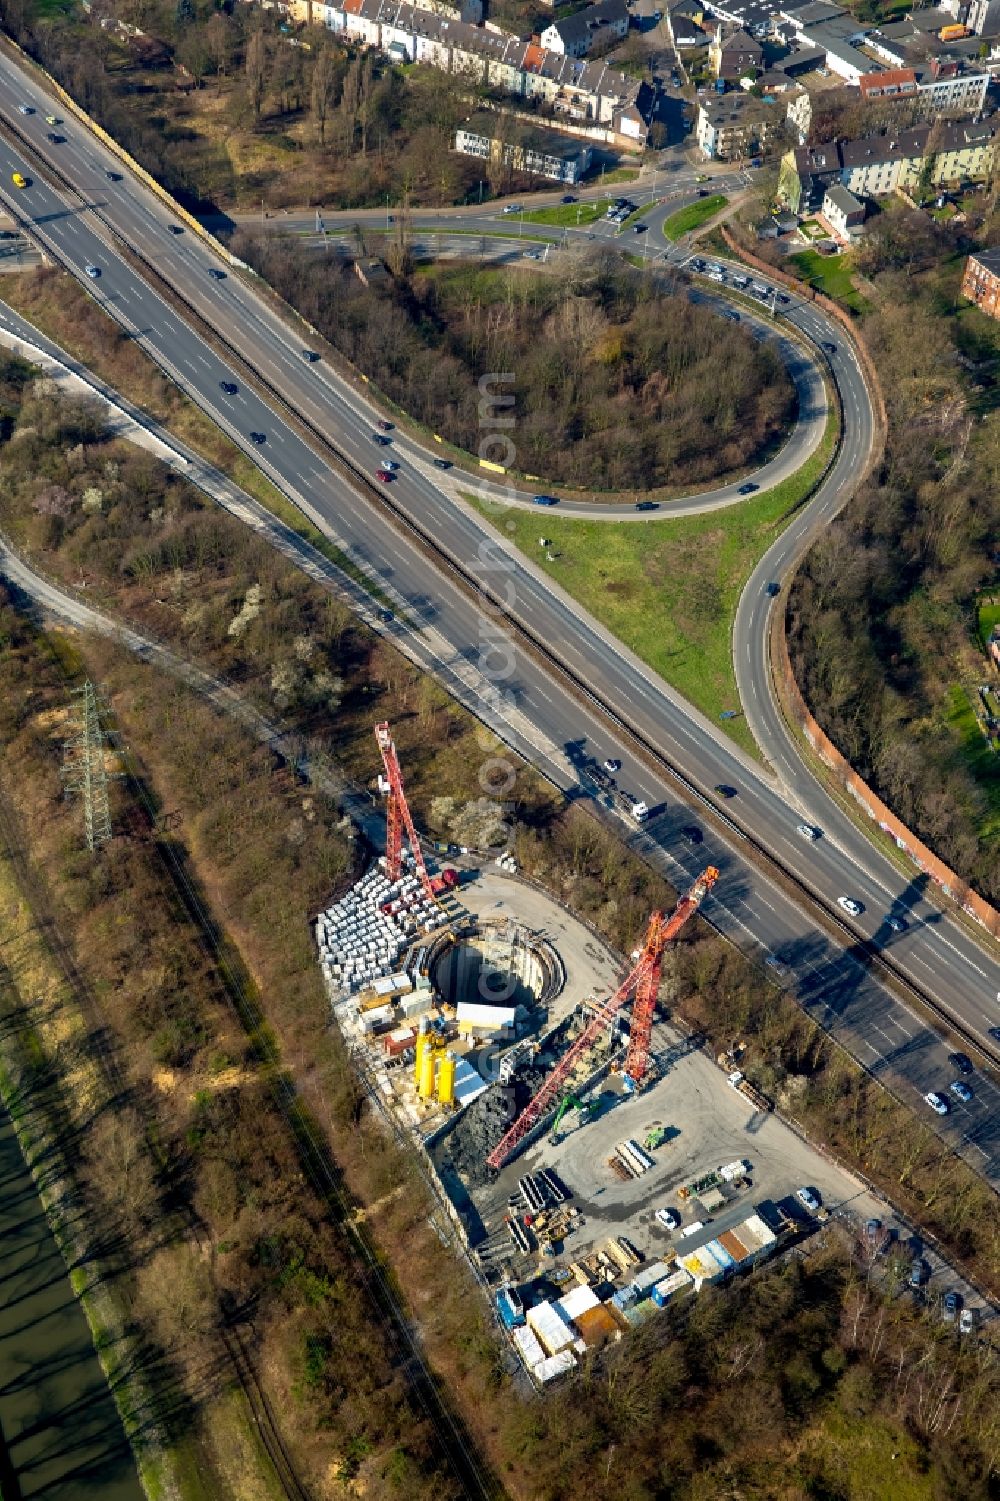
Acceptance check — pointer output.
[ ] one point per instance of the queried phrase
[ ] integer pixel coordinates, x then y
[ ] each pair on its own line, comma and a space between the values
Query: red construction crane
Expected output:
397, 814
643, 982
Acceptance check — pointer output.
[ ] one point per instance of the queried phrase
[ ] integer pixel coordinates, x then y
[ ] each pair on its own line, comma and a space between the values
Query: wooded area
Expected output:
882, 617
619, 381
782, 1386
230, 112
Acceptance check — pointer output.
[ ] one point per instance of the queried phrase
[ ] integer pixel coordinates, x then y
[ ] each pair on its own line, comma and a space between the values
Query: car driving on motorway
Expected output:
807, 830
897, 924
545, 500
19, 180
385, 475
258, 438
850, 905
216, 273
229, 386
93, 272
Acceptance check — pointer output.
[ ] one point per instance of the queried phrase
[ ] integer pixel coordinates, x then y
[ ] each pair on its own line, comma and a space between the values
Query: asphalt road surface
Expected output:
832, 980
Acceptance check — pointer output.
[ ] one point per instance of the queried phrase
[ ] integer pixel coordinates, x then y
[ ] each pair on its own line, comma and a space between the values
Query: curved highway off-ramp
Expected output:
578, 690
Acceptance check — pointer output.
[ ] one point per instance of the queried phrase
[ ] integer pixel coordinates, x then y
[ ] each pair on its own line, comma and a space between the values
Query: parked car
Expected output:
960, 1091
692, 834
961, 1061
967, 1321
918, 1272
850, 905
936, 1101
950, 1305
669, 1218
807, 830
808, 1198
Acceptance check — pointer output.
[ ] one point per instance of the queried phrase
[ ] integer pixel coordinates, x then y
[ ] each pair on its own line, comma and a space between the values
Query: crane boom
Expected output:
398, 817
642, 982
644, 1005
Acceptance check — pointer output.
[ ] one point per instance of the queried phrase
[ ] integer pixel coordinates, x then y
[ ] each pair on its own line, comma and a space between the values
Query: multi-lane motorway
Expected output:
549, 719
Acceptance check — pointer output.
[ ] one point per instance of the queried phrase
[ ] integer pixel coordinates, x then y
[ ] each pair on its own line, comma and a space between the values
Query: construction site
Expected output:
598, 1161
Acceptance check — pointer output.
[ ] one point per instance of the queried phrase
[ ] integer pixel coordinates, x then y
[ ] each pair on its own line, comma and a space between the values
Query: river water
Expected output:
60, 1434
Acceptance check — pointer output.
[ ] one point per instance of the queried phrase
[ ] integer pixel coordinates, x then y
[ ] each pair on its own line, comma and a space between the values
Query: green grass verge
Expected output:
982, 761
620, 174
668, 589
694, 216
569, 213
987, 621
830, 274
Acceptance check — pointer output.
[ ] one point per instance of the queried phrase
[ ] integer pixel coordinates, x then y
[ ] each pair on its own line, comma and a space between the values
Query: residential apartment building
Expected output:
730, 57
735, 126
981, 285
876, 166
584, 93
543, 153
984, 17
598, 25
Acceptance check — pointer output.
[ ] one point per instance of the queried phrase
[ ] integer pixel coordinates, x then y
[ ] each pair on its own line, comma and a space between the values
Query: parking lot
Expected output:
708, 1124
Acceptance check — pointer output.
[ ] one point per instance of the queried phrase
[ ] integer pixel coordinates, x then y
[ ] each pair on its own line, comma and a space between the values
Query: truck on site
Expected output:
742, 1085
445, 882
509, 1307
655, 1138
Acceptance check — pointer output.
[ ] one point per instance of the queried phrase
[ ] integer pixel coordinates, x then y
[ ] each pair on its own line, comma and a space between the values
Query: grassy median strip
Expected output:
694, 216
668, 589
568, 213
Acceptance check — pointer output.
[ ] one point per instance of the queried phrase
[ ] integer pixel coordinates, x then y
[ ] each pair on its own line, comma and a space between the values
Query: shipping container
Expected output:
510, 1308
552, 1329
577, 1301
731, 1242
649, 1276
527, 1344
555, 1366
675, 1283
